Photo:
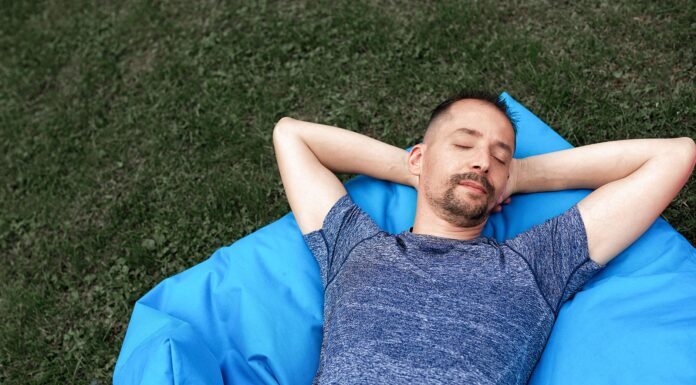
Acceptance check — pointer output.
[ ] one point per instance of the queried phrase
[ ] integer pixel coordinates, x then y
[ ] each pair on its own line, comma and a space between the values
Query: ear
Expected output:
415, 159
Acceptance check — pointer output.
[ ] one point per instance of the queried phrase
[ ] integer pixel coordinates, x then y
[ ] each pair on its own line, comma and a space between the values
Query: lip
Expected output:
474, 186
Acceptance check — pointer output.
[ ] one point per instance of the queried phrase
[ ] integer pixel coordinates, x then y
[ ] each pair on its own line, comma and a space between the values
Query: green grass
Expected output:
136, 138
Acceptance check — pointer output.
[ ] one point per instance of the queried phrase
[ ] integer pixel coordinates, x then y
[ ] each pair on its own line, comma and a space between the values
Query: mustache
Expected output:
472, 176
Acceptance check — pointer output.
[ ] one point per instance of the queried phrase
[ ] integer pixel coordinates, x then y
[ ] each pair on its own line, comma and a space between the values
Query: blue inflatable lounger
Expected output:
252, 313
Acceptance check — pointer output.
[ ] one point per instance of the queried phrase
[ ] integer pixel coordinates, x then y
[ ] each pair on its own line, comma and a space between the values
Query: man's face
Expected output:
469, 145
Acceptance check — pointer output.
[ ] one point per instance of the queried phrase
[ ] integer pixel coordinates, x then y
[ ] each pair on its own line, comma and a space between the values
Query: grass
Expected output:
136, 136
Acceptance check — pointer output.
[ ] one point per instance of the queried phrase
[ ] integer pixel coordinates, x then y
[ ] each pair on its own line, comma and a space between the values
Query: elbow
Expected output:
687, 152
283, 120
693, 153
689, 148
282, 125
682, 146
691, 145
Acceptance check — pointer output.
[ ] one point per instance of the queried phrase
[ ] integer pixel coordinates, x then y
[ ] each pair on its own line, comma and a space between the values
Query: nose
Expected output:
480, 162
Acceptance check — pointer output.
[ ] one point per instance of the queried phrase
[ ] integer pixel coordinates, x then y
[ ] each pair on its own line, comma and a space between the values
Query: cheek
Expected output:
435, 169
500, 187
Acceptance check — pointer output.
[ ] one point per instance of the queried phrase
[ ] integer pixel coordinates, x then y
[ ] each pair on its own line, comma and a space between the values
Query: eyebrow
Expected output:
478, 134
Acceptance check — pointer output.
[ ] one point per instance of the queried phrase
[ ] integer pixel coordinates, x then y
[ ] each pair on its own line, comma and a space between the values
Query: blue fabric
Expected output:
252, 312
422, 309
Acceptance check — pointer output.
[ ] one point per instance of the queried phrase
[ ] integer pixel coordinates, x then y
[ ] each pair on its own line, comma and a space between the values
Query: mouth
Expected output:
473, 186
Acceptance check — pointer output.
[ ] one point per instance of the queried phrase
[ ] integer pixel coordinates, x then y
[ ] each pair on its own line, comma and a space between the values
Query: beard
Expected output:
458, 208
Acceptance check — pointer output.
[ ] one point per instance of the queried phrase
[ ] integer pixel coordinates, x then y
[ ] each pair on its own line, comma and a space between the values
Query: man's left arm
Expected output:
634, 181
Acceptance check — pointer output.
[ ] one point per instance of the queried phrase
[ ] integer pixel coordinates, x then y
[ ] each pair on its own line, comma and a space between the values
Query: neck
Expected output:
429, 223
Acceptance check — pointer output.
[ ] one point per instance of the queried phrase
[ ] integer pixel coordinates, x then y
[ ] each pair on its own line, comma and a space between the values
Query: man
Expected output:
439, 303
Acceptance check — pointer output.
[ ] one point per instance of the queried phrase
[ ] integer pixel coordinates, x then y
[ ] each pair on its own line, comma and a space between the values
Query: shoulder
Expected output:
567, 222
345, 221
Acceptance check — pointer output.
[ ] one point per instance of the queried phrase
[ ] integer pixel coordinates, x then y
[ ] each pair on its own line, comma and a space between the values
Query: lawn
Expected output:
136, 136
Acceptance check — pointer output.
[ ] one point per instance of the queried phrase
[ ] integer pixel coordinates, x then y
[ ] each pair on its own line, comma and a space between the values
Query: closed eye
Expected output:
500, 161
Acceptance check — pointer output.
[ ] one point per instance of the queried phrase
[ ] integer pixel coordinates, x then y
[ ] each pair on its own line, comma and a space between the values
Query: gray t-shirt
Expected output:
421, 309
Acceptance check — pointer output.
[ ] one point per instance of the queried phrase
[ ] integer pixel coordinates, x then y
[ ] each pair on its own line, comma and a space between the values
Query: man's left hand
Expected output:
510, 187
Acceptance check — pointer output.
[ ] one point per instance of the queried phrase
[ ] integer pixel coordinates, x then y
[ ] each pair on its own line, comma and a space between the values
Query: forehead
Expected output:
479, 119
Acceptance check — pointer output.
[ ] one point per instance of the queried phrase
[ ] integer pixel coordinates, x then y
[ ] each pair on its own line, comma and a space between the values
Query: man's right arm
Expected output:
308, 155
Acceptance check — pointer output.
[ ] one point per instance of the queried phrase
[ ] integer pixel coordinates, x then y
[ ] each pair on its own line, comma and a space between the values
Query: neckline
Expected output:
428, 239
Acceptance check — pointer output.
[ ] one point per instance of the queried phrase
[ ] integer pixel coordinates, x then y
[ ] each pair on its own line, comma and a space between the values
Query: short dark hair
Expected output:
488, 97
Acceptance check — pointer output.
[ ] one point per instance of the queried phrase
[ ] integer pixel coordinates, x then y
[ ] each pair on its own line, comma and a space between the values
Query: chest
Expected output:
474, 288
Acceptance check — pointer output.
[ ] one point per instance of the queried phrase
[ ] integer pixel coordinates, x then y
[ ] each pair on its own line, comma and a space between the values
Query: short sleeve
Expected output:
558, 255
345, 226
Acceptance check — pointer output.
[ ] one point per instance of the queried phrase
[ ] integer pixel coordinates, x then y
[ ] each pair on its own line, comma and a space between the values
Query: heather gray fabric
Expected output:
413, 308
